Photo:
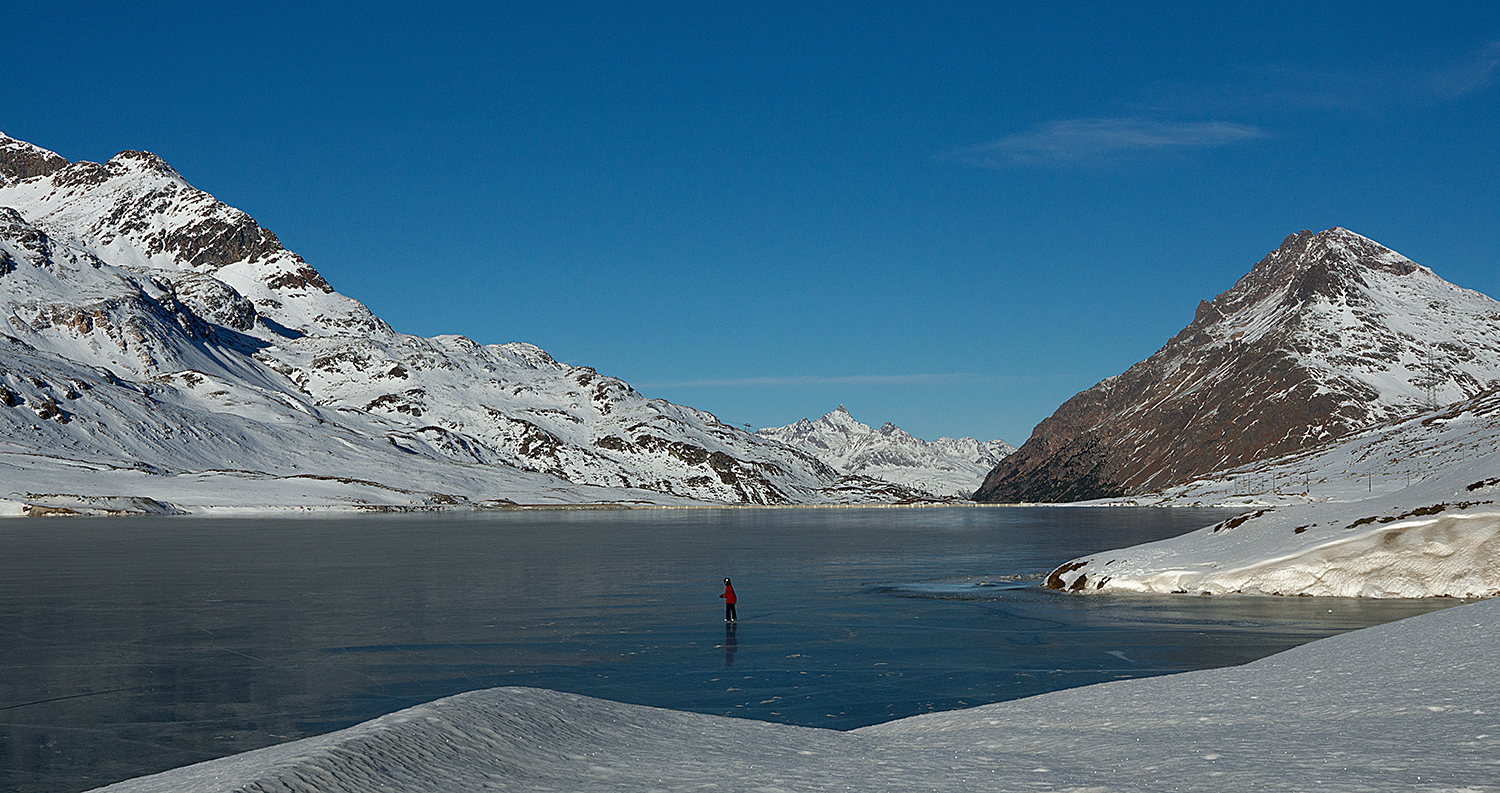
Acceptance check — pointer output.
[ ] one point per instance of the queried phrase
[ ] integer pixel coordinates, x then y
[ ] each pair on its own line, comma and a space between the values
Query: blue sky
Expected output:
950, 216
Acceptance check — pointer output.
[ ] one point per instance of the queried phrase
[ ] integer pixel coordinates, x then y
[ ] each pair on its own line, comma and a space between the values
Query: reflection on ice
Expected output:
730, 642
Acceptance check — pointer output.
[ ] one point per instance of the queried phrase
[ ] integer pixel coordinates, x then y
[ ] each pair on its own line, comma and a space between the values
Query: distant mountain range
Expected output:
1329, 334
946, 466
160, 351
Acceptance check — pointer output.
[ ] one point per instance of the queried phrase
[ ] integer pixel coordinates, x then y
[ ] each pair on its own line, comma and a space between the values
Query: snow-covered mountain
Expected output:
1408, 509
945, 467
1329, 334
153, 339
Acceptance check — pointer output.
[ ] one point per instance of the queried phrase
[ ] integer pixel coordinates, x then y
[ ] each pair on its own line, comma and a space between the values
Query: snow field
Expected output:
1406, 509
1452, 555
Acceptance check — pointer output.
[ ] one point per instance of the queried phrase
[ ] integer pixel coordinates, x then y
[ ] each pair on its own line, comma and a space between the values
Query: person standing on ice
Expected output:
729, 615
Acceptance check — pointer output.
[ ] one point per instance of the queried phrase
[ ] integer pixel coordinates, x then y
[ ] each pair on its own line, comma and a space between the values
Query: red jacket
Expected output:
728, 594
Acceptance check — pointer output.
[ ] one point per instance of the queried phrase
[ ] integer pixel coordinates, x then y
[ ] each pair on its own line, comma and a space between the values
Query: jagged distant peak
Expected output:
136, 210
133, 182
946, 466
840, 416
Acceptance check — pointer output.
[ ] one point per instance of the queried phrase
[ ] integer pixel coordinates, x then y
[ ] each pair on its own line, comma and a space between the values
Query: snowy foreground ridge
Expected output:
1410, 705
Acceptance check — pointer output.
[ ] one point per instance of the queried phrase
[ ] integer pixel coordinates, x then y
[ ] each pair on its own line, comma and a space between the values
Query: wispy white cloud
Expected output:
1469, 76
1373, 87
1092, 140
859, 379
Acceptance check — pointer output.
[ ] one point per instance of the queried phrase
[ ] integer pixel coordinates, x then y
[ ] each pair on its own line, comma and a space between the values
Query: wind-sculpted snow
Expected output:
1434, 551
944, 467
1408, 509
124, 271
1411, 705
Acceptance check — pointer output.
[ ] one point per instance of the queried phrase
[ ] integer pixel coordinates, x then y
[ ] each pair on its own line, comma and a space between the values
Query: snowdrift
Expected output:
1407, 509
1411, 705
1451, 555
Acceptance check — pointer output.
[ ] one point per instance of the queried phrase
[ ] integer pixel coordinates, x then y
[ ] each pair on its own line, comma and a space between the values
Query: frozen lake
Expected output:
128, 646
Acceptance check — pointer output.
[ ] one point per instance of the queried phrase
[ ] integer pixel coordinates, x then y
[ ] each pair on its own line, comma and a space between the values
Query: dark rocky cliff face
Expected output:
20, 160
1290, 357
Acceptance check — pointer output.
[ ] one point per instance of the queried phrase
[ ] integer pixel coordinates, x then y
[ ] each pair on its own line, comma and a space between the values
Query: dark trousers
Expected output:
729, 613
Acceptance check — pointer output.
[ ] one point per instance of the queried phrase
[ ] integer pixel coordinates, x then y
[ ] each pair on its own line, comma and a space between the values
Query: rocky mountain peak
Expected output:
129, 161
840, 417
1329, 333
1329, 265
137, 209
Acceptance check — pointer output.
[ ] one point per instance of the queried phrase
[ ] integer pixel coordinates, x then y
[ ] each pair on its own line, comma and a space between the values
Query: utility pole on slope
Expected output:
1430, 377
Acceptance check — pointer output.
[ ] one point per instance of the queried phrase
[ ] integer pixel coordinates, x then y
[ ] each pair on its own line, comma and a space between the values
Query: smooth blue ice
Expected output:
133, 646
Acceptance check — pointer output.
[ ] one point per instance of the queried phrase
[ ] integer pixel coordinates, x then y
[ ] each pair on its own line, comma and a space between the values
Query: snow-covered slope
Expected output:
944, 467
1410, 705
1328, 335
76, 439
1409, 509
123, 273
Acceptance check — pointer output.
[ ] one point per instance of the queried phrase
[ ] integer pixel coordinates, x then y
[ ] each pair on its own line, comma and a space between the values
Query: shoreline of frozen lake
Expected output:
135, 645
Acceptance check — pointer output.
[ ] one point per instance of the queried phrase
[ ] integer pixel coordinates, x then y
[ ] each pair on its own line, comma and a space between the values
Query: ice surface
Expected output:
1411, 705
226, 635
